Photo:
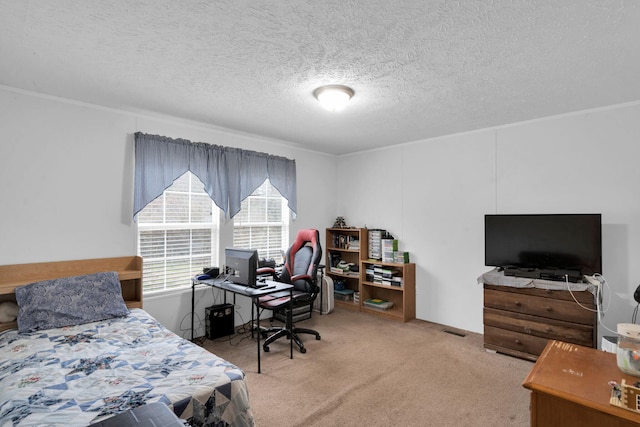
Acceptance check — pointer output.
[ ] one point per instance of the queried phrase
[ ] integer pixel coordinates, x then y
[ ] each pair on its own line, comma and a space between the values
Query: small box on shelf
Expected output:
343, 295
389, 246
400, 257
375, 243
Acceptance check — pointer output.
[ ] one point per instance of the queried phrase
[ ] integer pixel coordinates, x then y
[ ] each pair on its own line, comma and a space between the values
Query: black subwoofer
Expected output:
219, 320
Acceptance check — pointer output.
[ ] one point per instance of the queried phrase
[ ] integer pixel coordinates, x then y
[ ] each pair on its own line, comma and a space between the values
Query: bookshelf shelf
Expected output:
402, 294
344, 250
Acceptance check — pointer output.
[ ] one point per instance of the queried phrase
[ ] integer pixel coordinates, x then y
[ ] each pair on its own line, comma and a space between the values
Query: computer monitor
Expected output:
241, 265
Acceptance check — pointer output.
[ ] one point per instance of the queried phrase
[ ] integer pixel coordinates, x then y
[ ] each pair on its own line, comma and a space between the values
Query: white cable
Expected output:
566, 279
601, 281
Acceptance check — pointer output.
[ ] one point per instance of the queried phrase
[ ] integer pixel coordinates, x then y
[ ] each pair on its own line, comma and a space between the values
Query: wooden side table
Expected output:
569, 387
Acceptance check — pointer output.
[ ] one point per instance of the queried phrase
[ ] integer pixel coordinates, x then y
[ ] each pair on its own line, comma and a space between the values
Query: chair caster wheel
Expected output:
303, 350
266, 349
318, 337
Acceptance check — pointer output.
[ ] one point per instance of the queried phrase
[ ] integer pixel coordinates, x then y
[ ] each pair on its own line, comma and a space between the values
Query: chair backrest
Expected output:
303, 257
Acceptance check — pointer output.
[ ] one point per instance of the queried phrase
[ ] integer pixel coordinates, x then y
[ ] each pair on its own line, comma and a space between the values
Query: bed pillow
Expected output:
8, 311
69, 301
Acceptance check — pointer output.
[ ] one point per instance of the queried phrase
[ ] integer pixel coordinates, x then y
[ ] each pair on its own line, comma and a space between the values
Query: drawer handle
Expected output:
549, 309
517, 341
547, 329
517, 303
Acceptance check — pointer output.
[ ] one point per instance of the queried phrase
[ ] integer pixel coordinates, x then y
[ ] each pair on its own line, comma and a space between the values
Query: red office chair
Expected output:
300, 269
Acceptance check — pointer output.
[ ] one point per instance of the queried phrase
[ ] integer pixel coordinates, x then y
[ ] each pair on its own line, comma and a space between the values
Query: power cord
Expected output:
198, 324
566, 279
599, 281
243, 330
240, 334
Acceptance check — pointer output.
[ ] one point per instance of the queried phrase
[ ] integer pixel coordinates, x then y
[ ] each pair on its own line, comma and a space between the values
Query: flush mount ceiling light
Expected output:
333, 97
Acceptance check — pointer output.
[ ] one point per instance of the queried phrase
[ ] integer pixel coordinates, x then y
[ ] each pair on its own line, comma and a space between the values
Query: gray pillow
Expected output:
69, 301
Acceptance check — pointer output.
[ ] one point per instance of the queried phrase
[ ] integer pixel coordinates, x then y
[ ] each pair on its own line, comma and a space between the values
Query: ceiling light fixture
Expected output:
333, 97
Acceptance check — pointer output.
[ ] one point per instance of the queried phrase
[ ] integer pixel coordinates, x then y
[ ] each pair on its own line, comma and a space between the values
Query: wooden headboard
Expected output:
129, 271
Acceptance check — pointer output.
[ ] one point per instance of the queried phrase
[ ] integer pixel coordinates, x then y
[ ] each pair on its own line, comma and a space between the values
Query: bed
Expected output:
83, 350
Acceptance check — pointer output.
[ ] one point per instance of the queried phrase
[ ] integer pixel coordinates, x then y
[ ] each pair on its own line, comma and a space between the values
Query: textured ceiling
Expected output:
420, 68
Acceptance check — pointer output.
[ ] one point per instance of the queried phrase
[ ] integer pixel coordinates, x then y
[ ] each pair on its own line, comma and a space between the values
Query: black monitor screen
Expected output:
241, 265
560, 241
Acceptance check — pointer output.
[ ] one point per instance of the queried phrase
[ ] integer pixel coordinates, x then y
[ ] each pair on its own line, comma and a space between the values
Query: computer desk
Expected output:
247, 291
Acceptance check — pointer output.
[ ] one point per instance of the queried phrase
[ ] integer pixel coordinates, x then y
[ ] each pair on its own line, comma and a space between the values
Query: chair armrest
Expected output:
302, 277
264, 271
280, 300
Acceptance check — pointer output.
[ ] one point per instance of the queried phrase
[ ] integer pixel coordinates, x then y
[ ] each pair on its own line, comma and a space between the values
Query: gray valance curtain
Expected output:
229, 174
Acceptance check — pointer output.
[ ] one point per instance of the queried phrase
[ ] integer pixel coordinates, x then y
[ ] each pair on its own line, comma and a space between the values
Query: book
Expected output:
378, 303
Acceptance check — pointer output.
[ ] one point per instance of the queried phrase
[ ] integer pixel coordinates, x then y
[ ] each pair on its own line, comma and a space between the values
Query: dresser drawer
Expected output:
551, 308
585, 298
540, 327
506, 341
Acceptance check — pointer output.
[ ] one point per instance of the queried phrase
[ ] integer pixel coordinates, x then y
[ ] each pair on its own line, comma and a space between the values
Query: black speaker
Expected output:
219, 320
636, 294
211, 271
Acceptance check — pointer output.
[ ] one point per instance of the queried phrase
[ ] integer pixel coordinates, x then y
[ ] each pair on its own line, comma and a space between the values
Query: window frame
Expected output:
244, 220
195, 189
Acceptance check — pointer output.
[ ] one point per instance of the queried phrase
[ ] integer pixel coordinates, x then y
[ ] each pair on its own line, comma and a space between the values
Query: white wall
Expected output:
66, 174
66, 185
433, 195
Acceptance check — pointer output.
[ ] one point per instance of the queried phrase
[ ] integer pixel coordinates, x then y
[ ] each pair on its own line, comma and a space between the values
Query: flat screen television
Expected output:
545, 245
241, 265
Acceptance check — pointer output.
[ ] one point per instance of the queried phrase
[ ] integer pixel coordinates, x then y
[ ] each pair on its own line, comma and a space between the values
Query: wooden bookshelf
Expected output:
403, 296
340, 243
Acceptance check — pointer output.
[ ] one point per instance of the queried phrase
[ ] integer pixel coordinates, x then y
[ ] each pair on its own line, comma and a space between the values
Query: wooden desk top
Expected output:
580, 375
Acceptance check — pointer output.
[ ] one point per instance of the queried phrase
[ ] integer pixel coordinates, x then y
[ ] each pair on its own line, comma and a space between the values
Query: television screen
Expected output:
570, 242
241, 265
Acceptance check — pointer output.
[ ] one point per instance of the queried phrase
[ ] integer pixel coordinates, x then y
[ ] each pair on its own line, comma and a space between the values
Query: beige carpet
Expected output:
368, 371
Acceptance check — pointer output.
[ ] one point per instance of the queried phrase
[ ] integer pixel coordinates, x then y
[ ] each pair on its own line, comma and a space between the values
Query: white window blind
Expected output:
263, 223
178, 235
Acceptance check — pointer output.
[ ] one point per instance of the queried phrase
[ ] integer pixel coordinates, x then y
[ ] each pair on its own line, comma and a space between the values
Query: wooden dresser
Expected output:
520, 321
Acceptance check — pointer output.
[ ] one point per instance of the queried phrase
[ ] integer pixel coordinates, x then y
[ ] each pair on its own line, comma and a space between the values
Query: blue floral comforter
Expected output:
77, 375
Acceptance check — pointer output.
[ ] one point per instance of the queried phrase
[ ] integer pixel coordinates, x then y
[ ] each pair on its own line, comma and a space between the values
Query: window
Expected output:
263, 223
178, 235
